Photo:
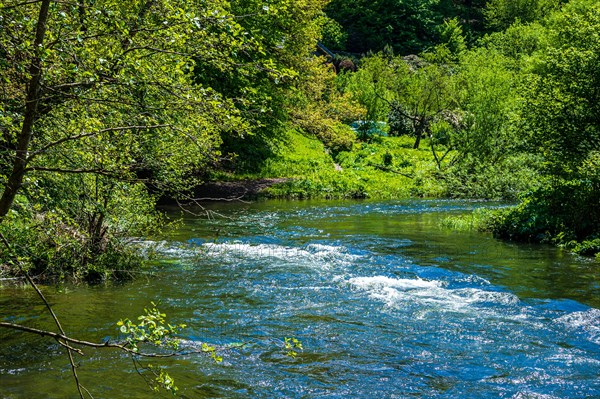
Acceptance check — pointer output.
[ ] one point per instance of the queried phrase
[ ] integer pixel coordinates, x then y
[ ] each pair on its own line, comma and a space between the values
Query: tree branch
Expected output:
386, 169
71, 171
107, 344
25, 3
51, 311
90, 134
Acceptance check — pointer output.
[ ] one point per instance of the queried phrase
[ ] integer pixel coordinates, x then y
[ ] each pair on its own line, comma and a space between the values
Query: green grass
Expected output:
385, 168
479, 220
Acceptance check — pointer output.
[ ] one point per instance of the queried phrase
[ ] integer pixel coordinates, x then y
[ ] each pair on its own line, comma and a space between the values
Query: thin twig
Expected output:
71, 171
90, 134
51, 311
25, 3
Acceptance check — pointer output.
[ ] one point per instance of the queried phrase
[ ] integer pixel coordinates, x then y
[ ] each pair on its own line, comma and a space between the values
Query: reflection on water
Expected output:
386, 302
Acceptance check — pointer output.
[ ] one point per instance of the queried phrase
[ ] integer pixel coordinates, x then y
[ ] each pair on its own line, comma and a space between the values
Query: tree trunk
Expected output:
421, 126
15, 179
419, 134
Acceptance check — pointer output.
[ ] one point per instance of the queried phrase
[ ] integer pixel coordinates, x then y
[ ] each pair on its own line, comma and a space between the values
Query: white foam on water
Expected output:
472, 278
238, 249
429, 294
588, 321
165, 249
12, 371
323, 256
532, 395
474, 295
383, 282
572, 356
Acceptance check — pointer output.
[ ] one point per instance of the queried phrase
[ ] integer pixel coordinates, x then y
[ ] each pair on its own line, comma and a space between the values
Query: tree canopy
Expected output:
406, 26
106, 105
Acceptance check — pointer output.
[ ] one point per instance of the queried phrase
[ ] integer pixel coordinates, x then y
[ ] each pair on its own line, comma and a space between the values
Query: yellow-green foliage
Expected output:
298, 156
385, 168
318, 108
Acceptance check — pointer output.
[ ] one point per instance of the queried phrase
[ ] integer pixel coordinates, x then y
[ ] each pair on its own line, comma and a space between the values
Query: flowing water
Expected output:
386, 303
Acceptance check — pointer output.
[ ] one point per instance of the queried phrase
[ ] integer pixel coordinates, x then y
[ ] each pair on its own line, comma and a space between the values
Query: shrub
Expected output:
52, 249
482, 220
587, 247
559, 213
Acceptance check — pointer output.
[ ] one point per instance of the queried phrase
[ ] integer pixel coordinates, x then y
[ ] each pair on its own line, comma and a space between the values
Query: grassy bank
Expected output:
383, 168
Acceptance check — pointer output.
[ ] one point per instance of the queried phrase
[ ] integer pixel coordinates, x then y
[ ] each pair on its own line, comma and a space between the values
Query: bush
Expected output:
81, 241
587, 247
482, 220
506, 179
400, 124
53, 249
558, 213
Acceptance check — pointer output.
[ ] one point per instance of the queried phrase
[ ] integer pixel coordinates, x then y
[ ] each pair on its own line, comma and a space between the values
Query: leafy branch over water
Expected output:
150, 330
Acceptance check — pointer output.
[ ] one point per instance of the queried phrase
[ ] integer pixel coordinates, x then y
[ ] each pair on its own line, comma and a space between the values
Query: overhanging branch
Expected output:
73, 341
90, 134
71, 171
25, 3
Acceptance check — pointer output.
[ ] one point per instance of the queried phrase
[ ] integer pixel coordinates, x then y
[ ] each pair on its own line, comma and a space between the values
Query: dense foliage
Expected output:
560, 114
512, 116
106, 107
406, 26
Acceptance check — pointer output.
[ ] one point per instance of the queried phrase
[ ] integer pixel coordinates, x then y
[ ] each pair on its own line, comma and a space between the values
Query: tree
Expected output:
101, 97
559, 117
485, 91
99, 94
101, 110
500, 14
561, 102
272, 73
423, 99
406, 26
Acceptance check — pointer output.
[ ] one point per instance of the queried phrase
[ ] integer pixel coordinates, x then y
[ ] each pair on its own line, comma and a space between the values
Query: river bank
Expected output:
301, 167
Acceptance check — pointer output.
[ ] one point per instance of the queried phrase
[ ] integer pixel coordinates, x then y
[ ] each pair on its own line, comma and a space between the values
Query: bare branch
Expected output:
51, 311
70, 85
107, 344
62, 337
56, 336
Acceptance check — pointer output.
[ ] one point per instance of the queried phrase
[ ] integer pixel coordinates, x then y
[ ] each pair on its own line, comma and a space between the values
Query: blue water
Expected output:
386, 303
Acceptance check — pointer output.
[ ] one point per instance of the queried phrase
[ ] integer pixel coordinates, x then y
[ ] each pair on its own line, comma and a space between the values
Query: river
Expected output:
386, 303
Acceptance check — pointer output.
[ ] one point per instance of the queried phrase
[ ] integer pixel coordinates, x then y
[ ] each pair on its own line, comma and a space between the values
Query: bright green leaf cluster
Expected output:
211, 350
292, 345
151, 328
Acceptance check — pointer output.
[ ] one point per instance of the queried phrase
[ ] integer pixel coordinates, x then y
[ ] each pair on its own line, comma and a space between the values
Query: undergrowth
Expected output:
380, 168
52, 248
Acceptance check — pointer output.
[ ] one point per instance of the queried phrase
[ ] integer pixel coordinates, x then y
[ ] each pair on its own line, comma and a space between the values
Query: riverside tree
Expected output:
268, 78
98, 99
105, 105
559, 115
407, 26
97, 104
101, 110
